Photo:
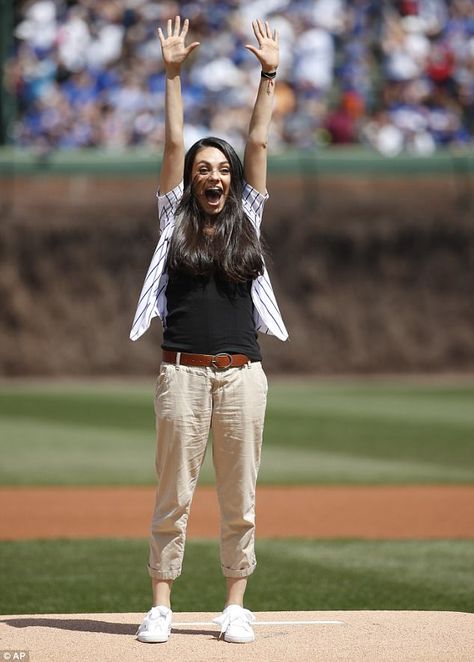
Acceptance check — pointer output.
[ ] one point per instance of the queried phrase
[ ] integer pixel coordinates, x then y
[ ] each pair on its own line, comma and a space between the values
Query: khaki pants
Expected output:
189, 402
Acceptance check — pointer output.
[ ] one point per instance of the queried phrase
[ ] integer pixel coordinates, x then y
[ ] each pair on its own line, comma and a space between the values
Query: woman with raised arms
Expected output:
208, 284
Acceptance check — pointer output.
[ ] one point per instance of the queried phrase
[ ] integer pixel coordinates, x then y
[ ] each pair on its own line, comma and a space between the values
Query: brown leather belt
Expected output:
220, 361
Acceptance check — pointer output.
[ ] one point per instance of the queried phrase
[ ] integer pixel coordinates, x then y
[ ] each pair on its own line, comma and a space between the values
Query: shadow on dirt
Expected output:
89, 625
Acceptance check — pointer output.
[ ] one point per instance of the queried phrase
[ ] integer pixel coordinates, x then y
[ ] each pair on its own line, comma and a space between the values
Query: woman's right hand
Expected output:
172, 46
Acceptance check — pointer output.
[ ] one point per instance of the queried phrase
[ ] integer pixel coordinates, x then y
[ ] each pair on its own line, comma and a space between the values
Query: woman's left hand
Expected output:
268, 52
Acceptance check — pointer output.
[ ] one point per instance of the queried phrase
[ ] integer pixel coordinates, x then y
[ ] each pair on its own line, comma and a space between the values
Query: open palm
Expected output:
172, 46
268, 52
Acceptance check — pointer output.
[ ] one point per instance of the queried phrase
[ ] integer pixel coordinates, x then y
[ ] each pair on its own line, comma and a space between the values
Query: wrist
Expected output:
268, 72
172, 70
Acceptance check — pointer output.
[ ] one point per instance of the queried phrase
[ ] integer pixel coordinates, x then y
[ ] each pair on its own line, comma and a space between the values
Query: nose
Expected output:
214, 176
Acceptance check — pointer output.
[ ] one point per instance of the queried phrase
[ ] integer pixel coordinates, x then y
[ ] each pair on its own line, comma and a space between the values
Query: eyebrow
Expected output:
210, 164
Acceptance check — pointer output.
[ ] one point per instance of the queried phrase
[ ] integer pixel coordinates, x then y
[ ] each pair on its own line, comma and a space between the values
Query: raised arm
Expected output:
255, 157
174, 53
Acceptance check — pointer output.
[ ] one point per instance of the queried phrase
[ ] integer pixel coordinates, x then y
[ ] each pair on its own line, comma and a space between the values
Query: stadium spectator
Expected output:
397, 75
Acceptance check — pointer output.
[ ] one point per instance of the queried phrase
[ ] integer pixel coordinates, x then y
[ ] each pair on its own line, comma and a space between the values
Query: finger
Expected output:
268, 30
170, 28
191, 47
184, 31
177, 26
261, 27
276, 36
161, 36
256, 30
251, 49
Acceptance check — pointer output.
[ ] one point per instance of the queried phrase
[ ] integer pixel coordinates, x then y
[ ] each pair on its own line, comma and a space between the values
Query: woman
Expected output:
208, 284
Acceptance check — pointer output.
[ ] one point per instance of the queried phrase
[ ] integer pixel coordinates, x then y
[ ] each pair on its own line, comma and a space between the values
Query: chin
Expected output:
213, 211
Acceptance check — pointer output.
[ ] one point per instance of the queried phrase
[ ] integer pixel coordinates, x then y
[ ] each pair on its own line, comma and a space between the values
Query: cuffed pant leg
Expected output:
239, 397
183, 410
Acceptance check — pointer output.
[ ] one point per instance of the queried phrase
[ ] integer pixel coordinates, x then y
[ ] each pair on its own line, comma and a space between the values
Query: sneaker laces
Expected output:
236, 615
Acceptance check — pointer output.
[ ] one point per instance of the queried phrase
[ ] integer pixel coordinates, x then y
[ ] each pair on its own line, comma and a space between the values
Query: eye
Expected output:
225, 171
203, 171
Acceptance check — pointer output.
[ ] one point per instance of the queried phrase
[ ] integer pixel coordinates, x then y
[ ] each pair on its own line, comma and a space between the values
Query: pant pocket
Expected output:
263, 377
161, 382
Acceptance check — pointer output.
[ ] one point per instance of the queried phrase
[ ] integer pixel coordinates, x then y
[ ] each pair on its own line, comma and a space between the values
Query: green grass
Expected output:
64, 576
351, 432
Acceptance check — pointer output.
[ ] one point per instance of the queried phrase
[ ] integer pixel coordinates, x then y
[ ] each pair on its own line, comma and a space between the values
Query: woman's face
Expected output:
211, 179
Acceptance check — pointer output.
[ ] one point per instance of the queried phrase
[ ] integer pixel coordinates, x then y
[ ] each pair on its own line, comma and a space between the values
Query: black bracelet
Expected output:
268, 74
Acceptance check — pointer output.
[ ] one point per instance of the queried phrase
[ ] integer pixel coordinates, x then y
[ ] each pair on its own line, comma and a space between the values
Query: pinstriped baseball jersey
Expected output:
152, 301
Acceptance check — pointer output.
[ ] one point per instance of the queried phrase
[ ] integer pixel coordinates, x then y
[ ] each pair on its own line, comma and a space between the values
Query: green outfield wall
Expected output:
341, 160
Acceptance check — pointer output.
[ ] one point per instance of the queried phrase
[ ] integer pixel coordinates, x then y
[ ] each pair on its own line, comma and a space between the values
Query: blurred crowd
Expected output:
396, 75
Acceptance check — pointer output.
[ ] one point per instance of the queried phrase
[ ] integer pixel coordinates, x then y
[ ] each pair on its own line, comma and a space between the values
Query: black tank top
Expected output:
208, 315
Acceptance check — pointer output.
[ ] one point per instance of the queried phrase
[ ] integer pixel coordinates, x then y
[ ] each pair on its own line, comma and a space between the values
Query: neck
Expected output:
209, 230
209, 226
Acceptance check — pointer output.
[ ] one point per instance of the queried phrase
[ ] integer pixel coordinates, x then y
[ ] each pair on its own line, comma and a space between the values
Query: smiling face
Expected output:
211, 179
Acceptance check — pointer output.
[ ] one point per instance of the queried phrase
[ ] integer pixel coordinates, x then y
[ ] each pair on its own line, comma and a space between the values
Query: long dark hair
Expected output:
233, 251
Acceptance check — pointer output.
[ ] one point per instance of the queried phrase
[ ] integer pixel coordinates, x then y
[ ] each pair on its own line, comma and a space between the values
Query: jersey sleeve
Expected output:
253, 203
167, 204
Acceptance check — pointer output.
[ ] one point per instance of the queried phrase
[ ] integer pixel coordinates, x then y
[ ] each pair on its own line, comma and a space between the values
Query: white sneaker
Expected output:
235, 624
156, 627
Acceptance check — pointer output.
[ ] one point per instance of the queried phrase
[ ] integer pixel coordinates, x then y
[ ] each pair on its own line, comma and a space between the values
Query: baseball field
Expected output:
365, 503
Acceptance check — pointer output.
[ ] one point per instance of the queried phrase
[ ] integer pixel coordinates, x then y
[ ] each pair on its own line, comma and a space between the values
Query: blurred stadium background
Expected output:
369, 228
392, 74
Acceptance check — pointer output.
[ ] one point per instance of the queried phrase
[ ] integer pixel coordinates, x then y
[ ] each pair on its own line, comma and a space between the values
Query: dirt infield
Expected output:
357, 636
376, 512
321, 512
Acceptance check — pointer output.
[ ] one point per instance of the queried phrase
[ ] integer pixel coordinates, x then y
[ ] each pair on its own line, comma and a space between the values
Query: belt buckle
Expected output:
217, 367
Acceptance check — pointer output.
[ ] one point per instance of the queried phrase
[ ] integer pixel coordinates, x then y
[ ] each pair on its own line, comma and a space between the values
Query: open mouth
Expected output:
213, 195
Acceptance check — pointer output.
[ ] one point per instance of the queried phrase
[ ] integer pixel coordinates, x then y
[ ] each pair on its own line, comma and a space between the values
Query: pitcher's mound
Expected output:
296, 636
